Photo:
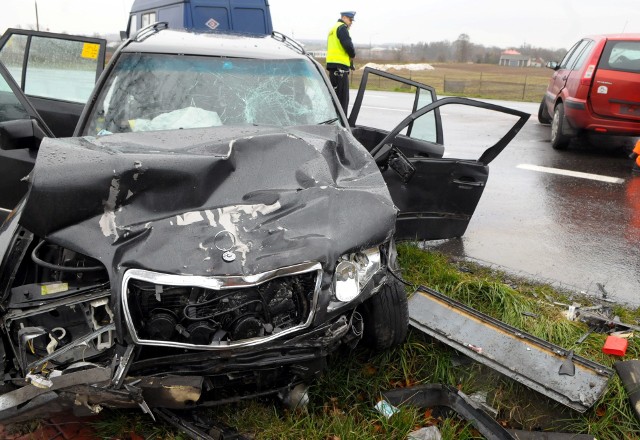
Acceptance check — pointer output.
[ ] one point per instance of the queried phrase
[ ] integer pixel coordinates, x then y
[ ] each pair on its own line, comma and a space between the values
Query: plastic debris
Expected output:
615, 346
571, 313
629, 372
385, 408
480, 398
427, 433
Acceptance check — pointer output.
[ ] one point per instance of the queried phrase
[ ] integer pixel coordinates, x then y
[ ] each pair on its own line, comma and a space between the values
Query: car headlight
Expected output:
354, 271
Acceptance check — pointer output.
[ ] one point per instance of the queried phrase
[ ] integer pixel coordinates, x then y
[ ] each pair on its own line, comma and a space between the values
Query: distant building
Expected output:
513, 58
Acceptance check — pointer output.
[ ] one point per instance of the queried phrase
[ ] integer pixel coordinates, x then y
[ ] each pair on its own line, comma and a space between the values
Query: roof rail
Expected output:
299, 47
147, 31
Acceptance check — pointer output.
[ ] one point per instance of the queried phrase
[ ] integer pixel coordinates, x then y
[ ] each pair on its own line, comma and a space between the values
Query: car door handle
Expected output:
468, 182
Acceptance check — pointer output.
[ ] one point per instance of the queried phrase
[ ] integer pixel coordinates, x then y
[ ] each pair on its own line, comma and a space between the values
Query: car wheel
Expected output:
543, 113
559, 140
386, 317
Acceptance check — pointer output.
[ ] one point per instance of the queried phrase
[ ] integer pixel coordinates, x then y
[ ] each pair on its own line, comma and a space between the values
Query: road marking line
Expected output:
387, 108
578, 174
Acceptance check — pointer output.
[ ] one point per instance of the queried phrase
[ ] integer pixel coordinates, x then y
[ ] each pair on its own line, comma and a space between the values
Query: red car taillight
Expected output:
588, 75
589, 72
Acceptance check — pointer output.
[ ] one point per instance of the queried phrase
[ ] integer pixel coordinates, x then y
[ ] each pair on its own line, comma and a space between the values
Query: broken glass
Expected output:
154, 92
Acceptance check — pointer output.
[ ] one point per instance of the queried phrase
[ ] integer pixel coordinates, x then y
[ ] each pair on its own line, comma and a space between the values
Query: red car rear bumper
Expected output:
580, 116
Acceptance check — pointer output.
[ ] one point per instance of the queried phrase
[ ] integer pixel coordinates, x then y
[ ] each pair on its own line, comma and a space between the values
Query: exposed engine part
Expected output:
101, 315
161, 313
246, 328
161, 325
55, 337
201, 333
68, 257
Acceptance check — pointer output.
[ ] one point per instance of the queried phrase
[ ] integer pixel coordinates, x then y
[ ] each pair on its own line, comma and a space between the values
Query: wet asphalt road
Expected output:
574, 232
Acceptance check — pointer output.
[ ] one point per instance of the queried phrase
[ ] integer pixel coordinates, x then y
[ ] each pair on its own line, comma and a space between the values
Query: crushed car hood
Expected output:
174, 201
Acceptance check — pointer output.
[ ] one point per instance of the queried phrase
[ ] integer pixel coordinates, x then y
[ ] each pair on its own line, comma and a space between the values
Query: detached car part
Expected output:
430, 395
531, 361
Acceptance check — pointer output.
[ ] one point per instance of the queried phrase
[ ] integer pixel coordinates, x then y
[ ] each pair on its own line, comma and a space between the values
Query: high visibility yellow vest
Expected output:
335, 51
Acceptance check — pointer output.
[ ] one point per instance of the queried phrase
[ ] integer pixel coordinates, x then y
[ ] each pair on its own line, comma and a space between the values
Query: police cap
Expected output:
350, 14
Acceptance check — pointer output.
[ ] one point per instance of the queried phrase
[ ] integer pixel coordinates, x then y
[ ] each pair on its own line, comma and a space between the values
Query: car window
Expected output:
61, 69
584, 53
12, 55
424, 128
565, 60
621, 55
10, 107
133, 24
148, 18
148, 92
570, 61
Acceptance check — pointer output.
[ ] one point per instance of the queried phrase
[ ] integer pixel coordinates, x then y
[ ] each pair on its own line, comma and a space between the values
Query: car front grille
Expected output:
219, 312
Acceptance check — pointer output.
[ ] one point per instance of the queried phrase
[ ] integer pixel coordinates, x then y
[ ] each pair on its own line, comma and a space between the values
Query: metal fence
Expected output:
512, 88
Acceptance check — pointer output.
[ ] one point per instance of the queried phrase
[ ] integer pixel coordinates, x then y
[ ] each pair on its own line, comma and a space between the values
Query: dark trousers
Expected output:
340, 82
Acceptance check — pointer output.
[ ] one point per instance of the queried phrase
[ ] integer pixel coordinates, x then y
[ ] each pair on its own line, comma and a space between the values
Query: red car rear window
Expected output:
621, 55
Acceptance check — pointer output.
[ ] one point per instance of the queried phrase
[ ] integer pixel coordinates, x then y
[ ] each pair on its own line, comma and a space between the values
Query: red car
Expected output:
596, 88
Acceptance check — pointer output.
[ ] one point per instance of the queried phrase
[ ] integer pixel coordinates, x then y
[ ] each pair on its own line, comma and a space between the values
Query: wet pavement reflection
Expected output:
576, 233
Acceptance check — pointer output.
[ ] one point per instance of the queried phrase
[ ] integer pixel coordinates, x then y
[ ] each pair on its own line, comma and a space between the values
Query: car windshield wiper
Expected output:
328, 121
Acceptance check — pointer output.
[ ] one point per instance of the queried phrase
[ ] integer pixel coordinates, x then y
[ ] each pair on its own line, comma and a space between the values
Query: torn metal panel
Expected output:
529, 360
14, 399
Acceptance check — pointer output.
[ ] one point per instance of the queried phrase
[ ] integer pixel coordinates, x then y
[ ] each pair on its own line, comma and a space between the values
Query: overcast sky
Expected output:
551, 24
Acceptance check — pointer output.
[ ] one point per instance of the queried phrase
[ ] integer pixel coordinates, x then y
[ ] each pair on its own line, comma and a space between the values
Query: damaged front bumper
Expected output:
156, 376
177, 381
79, 346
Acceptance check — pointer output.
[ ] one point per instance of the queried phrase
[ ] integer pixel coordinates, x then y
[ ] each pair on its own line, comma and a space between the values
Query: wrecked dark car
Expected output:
215, 227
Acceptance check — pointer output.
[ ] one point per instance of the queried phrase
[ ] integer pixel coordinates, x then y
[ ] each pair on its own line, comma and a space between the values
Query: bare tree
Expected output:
463, 46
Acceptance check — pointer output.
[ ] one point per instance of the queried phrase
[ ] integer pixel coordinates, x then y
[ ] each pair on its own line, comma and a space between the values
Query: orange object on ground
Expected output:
615, 346
636, 151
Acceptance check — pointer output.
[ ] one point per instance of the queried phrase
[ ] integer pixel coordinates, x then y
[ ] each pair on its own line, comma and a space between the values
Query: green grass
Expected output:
342, 401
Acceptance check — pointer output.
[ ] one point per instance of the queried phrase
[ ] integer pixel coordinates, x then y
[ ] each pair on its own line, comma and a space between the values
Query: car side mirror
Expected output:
552, 65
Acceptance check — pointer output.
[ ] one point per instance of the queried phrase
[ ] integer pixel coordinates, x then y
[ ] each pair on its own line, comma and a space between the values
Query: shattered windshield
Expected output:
149, 92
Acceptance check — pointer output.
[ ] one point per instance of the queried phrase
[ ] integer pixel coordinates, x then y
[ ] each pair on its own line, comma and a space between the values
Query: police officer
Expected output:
340, 55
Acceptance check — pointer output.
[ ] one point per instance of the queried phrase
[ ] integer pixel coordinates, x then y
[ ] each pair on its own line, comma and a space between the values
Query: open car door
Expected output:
436, 196
57, 72
21, 131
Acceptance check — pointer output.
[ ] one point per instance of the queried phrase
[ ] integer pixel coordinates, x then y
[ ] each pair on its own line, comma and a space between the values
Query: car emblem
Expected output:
225, 241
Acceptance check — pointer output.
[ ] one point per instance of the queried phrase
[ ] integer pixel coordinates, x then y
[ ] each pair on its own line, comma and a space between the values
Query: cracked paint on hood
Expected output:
157, 200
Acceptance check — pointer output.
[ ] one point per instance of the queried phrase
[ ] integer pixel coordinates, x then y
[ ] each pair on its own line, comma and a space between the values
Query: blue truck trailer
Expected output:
245, 16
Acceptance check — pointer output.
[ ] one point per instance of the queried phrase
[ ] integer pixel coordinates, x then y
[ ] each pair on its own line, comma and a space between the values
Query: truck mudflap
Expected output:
538, 364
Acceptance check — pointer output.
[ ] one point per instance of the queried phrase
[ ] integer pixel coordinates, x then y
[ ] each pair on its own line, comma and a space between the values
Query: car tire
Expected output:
386, 317
543, 114
559, 140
